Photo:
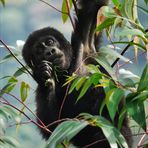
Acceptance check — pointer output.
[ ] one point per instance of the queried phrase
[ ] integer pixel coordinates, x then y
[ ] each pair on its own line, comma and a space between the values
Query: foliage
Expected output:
121, 24
3, 2
6, 114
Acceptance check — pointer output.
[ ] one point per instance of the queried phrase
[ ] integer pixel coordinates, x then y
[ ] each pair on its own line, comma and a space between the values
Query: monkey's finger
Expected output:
46, 74
45, 66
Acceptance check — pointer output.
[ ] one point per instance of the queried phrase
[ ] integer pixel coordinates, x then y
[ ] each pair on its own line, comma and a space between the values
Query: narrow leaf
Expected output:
122, 117
112, 134
108, 22
113, 53
84, 89
143, 84
19, 72
11, 141
146, 1
65, 10
65, 131
7, 88
104, 63
8, 57
144, 10
113, 98
3, 2
137, 112
24, 91
132, 32
116, 3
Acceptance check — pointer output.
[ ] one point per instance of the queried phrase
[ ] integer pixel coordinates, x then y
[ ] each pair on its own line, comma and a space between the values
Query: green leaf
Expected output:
104, 63
78, 82
112, 134
130, 32
113, 98
93, 68
144, 10
5, 77
70, 79
108, 12
19, 72
3, 2
24, 91
137, 112
7, 88
108, 22
122, 117
113, 53
129, 9
143, 84
2, 126
65, 131
146, 1
141, 97
13, 143
8, 57
116, 3
7, 113
12, 80
84, 89
65, 10
134, 11
95, 78
122, 8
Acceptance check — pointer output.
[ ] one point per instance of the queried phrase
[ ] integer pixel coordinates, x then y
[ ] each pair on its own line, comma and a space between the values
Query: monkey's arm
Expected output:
47, 105
83, 37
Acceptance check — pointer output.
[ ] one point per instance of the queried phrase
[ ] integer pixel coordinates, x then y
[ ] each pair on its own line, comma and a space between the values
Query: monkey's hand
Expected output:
43, 74
58, 59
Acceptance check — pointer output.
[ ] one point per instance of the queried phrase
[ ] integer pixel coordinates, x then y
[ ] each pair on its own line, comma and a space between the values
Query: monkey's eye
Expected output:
49, 42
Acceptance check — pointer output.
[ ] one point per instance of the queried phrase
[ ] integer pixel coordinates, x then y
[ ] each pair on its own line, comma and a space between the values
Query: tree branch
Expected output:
16, 57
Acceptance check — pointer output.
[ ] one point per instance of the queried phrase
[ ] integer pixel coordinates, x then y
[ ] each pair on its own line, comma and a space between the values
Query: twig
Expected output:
61, 120
95, 142
68, 8
21, 123
131, 59
15, 57
64, 99
125, 49
142, 138
69, 14
25, 106
8, 104
53, 7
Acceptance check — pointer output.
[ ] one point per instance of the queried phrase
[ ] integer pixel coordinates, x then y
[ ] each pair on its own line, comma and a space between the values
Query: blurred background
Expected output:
17, 19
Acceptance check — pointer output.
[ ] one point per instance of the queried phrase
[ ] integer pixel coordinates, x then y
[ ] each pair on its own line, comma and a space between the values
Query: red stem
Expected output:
53, 7
25, 107
69, 14
142, 139
7, 103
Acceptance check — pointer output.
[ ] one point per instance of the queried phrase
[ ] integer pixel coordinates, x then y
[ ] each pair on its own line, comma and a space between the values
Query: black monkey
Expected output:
46, 48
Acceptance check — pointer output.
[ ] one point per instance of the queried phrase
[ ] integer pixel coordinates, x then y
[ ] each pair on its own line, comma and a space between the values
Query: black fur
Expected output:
50, 92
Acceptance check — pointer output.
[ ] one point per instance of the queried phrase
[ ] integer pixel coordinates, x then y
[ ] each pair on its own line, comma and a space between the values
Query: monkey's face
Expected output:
48, 48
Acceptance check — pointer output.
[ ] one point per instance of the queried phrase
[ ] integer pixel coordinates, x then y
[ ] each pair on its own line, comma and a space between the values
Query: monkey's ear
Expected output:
27, 49
27, 55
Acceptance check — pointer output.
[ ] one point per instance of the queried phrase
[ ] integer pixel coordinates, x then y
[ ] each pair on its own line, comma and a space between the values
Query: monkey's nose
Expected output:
50, 52
53, 50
